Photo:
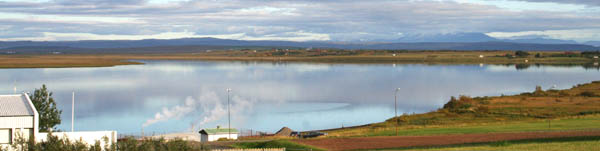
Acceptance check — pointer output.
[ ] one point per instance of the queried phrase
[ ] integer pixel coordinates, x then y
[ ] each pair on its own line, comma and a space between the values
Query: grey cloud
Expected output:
99, 2
581, 2
342, 20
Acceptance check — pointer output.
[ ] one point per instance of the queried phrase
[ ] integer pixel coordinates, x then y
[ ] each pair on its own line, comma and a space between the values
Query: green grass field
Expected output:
575, 123
590, 143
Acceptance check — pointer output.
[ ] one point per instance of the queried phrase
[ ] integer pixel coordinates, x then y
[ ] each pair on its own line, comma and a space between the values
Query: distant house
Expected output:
18, 117
209, 134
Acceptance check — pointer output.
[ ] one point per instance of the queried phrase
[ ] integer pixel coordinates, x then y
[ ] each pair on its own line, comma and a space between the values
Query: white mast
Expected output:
15, 87
72, 110
228, 114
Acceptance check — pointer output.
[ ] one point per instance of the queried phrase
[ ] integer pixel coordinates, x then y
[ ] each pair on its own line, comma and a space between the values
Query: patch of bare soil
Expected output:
353, 143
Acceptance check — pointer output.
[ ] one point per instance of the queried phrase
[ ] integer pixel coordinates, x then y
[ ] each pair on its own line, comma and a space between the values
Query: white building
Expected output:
214, 134
18, 117
87, 137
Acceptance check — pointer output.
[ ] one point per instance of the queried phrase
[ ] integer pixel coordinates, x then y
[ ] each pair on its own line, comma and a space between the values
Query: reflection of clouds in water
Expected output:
142, 91
103, 83
195, 66
209, 105
308, 67
322, 119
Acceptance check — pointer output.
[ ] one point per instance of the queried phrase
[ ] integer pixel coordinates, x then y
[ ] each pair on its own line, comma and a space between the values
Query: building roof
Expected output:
213, 131
15, 105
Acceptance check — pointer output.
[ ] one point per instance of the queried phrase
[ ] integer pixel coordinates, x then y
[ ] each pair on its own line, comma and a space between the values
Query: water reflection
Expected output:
174, 95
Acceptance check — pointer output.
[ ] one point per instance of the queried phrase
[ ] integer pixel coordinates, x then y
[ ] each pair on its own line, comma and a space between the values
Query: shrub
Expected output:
483, 109
54, 143
521, 54
539, 92
588, 112
128, 143
178, 145
500, 144
461, 105
563, 94
587, 94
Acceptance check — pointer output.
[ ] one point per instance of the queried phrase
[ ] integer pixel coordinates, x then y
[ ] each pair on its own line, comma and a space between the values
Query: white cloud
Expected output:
288, 36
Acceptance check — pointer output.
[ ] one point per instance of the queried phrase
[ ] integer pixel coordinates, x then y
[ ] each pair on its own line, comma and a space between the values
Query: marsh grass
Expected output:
321, 56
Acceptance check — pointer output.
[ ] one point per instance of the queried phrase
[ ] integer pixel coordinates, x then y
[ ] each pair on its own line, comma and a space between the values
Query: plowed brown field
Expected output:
353, 143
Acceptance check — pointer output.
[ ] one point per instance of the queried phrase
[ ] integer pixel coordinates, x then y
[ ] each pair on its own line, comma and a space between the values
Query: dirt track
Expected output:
409, 141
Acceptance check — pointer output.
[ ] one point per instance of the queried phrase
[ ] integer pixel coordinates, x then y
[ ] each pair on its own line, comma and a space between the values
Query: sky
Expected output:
296, 20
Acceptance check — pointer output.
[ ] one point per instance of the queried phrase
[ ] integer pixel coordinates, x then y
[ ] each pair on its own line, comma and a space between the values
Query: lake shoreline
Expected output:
417, 57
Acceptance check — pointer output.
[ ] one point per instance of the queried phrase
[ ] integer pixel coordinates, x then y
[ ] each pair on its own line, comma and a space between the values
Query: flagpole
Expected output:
72, 111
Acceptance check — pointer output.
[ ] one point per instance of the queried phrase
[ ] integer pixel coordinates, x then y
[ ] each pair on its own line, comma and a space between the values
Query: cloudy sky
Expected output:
297, 20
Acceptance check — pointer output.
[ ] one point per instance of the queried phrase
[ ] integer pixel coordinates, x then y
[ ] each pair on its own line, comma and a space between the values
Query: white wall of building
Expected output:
183, 136
16, 122
215, 137
89, 137
13, 127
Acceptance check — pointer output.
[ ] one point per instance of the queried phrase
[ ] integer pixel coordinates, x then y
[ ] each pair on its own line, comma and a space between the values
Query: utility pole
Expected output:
228, 114
15, 87
72, 111
396, 108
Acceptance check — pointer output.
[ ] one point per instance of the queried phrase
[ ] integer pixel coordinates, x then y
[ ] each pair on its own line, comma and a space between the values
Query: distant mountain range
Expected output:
452, 37
593, 43
467, 41
479, 37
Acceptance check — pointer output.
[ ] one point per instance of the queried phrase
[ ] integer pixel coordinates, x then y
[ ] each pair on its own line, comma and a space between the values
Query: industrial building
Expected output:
214, 134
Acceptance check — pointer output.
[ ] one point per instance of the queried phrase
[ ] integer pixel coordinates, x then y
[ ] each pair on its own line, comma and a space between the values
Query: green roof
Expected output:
213, 131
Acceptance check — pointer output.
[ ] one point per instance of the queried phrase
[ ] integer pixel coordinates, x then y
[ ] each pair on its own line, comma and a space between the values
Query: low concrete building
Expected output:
187, 136
209, 135
106, 138
18, 118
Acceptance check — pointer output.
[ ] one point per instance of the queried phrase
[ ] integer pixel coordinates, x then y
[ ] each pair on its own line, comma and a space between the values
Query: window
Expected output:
5, 136
25, 133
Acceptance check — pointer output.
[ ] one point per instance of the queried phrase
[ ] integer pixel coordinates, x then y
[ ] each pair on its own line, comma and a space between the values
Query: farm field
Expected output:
382, 142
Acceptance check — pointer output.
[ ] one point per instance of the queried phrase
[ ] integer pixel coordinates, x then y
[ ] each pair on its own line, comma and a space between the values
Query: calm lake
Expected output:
179, 96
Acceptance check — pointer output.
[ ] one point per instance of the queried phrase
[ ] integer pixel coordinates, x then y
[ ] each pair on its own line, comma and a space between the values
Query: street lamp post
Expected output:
228, 114
396, 108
